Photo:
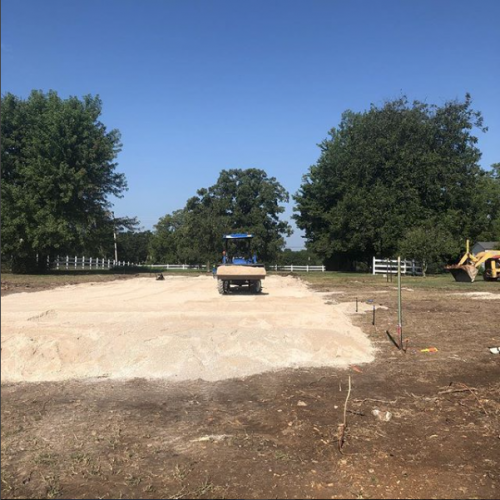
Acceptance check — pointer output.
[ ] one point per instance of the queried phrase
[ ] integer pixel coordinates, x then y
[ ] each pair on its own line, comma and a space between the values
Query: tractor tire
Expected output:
257, 286
221, 287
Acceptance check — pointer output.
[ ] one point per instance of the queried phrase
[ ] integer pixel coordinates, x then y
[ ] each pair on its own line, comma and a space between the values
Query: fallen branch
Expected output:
451, 391
471, 390
375, 401
354, 412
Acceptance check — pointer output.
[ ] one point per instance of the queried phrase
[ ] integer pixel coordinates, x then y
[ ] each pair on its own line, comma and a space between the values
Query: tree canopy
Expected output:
241, 201
58, 169
387, 175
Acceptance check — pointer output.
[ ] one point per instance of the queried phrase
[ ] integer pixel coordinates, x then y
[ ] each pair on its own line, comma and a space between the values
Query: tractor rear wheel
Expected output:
257, 286
221, 287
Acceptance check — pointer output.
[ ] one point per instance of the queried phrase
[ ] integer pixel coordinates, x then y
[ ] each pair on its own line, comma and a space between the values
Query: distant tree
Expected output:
298, 257
133, 246
391, 169
58, 170
431, 244
240, 201
164, 245
488, 203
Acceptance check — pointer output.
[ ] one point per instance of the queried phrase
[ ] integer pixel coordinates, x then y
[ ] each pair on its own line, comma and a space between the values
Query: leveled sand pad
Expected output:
176, 329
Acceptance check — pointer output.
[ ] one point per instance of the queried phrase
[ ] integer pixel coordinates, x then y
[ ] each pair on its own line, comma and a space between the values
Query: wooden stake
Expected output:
400, 312
342, 427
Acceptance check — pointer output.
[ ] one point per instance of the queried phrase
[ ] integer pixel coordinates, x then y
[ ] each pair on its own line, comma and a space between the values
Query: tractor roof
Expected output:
237, 236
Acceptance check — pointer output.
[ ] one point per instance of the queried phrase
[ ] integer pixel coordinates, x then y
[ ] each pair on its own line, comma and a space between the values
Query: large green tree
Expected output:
58, 169
390, 170
133, 246
241, 201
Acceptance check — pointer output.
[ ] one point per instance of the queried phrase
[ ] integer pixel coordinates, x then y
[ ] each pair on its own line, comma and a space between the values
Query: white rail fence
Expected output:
176, 266
81, 263
390, 266
290, 268
294, 267
71, 263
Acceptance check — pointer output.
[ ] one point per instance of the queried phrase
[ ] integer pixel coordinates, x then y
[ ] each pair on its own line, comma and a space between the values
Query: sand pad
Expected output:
175, 329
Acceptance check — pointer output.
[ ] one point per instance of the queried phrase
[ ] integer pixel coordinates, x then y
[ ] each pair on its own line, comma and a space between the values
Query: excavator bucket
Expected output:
465, 274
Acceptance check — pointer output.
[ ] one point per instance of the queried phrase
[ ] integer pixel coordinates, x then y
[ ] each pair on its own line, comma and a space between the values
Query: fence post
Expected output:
374, 263
67, 262
76, 261
323, 269
291, 268
307, 268
108, 263
57, 265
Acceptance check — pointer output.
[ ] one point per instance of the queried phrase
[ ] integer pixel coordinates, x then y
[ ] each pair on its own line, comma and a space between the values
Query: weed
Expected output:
46, 459
53, 489
181, 472
283, 456
134, 480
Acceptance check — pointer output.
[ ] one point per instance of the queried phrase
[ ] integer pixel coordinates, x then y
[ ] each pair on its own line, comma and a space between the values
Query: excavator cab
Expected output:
468, 267
492, 269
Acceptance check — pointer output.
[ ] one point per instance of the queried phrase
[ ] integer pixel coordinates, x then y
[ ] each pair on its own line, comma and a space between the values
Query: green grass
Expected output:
326, 279
358, 280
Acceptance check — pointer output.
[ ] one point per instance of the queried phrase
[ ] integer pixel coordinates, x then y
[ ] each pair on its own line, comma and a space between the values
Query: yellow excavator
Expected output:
468, 267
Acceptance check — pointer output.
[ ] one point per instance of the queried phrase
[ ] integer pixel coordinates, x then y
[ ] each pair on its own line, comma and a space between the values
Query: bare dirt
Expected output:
275, 435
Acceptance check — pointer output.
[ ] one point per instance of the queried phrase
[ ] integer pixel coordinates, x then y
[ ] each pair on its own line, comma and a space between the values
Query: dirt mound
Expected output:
176, 329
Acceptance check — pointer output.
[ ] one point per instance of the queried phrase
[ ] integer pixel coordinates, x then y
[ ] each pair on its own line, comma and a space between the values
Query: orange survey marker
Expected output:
429, 349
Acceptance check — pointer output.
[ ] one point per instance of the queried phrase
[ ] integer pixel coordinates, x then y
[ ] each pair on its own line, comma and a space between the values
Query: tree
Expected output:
488, 203
298, 257
58, 170
430, 243
390, 169
133, 246
165, 241
240, 201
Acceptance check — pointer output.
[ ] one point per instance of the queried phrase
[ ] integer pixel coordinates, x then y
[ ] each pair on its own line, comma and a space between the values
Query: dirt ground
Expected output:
275, 435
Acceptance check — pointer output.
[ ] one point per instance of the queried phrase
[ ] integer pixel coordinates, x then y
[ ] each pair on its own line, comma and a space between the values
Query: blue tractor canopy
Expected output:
237, 249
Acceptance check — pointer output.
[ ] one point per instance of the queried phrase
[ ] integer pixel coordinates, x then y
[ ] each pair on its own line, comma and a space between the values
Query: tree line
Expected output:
400, 178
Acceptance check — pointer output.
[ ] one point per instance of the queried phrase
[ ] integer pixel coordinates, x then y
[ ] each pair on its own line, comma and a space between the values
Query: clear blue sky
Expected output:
198, 86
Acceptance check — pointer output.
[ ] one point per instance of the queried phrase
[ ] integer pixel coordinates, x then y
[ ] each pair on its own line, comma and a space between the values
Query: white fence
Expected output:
176, 266
290, 268
82, 263
294, 267
390, 266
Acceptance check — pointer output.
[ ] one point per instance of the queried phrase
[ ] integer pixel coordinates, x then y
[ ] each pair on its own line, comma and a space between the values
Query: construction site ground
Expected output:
276, 435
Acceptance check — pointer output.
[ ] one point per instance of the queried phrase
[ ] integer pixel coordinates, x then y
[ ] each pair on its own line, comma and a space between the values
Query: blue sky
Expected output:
197, 86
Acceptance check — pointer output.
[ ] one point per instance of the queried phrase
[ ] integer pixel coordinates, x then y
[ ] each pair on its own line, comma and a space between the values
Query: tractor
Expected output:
239, 265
